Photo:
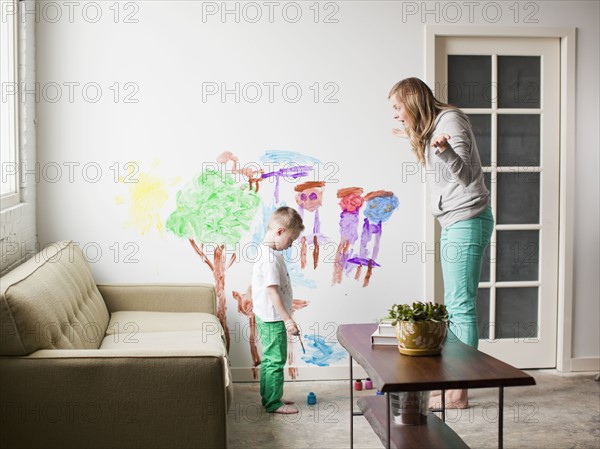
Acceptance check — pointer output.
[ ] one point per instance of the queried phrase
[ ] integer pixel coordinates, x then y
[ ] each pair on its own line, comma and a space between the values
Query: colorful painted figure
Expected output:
309, 197
244, 301
379, 208
350, 201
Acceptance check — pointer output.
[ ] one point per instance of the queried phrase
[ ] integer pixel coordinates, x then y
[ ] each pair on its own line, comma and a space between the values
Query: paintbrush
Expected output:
301, 344
300, 337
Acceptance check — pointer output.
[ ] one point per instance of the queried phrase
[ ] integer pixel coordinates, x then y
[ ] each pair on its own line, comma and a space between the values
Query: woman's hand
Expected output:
441, 142
400, 133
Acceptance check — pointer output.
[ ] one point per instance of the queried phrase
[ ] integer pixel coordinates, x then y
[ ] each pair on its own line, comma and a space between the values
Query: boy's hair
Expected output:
287, 218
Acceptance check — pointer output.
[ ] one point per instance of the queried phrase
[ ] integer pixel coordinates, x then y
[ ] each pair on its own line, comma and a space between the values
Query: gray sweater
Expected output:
457, 187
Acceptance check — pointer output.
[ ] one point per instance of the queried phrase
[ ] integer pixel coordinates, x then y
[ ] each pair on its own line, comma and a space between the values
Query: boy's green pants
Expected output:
462, 247
273, 338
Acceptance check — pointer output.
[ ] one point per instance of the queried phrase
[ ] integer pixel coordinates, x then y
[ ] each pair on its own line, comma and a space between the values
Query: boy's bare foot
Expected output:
286, 410
287, 401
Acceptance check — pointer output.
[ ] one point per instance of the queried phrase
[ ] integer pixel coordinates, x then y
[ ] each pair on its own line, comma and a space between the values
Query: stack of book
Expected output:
385, 334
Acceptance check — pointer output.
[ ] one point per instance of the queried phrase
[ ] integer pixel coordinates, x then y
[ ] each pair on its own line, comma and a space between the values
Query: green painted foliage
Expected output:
213, 209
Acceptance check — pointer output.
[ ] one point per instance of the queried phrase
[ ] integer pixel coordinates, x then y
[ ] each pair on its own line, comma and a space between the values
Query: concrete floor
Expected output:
562, 411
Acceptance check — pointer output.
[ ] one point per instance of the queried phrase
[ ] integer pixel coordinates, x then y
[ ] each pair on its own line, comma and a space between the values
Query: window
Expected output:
9, 116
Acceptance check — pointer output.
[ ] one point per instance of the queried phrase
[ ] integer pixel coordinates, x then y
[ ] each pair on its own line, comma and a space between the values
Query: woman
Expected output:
442, 139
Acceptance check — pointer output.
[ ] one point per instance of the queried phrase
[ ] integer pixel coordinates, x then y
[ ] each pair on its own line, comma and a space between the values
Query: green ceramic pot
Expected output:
421, 337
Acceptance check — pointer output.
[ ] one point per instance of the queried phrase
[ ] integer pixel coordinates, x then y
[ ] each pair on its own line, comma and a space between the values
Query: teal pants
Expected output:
462, 247
273, 338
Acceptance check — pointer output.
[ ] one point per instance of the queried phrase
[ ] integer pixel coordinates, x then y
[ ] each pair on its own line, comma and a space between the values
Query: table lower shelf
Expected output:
434, 434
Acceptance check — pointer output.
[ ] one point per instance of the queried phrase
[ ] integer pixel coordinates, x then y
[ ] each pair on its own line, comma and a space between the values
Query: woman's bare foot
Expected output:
286, 409
454, 399
287, 401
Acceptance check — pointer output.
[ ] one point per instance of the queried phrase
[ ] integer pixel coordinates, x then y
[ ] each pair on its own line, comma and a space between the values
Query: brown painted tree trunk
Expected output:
219, 276
218, 270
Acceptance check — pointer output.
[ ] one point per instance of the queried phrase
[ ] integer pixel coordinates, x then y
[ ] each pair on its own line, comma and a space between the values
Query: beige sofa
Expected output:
108, 366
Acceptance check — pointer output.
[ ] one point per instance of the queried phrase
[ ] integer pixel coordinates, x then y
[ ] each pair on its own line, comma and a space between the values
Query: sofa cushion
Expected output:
179, 342
193, 334
51, 302
130, 322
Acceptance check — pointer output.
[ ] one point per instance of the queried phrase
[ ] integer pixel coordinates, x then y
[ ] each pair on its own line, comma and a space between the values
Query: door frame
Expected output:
433, 271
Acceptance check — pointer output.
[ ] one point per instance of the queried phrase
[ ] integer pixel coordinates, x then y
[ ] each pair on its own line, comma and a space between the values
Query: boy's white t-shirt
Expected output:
269, 270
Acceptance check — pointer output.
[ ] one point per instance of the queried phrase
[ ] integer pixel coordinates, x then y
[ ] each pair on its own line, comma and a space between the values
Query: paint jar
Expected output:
380, 393
368, 384
311, 399
358, 385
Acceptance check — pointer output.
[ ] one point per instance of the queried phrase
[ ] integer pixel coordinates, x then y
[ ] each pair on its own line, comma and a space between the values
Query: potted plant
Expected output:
421, 328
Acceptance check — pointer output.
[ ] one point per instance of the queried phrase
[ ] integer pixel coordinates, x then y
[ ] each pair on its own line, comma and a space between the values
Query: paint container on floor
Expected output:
368, 384
311, 399
380, 393
358, 385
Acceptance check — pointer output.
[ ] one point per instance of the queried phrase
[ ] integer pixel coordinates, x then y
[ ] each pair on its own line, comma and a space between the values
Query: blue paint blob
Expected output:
321, 353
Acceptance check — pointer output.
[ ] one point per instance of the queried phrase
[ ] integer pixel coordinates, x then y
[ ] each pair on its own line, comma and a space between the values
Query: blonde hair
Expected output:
422, 108
287, 218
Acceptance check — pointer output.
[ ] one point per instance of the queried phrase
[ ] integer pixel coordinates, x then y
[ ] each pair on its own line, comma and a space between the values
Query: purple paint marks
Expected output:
363, 262
294, 172
350, 201
349, 226
295, 165
368, 230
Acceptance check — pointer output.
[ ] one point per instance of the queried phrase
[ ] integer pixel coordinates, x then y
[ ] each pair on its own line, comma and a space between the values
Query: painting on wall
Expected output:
213, 211
231, 202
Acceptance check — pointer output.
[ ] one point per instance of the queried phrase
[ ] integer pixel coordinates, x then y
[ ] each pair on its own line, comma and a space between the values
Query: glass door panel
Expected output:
518, 198
519, 81
517, 256
469, 81
517, 312
518, 140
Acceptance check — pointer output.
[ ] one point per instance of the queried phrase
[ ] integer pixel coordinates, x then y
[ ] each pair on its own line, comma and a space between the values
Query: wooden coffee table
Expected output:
458, 366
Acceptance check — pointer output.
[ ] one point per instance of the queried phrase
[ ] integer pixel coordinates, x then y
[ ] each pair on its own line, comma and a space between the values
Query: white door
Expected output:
510, 88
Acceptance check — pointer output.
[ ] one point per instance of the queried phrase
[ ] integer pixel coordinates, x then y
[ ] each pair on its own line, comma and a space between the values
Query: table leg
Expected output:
500, 417
387, 414
443, 405
351, 408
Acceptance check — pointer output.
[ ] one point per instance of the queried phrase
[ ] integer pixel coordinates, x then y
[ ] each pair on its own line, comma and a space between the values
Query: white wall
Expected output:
169, 54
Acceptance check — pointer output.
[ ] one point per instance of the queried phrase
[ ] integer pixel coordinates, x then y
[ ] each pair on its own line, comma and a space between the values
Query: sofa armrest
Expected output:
159, 297
72, 400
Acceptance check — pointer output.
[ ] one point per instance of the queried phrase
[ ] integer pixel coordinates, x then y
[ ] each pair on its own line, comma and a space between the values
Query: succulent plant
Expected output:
418, 311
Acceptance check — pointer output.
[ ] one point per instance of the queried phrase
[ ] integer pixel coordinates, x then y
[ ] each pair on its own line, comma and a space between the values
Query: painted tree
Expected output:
214, 211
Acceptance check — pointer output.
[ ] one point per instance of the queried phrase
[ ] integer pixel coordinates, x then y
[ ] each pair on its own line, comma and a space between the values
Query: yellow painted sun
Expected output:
147, 195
